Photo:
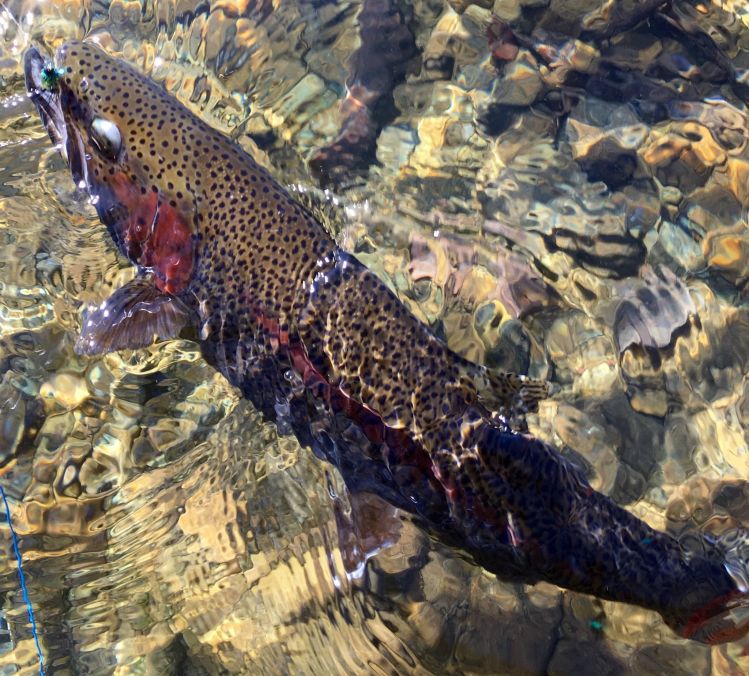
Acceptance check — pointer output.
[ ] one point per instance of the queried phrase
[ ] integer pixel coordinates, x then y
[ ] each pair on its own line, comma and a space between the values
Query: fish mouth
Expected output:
48, 103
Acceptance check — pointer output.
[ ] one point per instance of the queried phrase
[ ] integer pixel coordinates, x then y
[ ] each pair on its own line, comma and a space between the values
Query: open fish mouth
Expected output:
48, 101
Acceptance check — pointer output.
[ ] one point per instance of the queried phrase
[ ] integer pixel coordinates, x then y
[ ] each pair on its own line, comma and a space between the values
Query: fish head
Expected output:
122, 137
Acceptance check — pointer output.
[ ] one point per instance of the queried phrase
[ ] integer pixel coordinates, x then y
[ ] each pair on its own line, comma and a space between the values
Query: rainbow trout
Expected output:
322, 347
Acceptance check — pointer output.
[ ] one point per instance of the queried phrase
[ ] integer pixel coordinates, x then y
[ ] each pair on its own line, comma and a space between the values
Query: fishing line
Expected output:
22, 579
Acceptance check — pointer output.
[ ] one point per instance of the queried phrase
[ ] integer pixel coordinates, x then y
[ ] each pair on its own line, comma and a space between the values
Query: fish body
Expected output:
321, 346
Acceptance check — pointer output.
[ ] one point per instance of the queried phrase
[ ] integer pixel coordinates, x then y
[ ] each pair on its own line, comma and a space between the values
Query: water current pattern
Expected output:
556, 188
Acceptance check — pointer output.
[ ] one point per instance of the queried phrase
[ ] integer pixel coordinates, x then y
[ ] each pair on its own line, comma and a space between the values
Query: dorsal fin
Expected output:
502, 392
523, 392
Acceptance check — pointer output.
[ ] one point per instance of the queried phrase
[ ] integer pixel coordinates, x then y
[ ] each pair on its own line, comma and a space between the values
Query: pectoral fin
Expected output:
132, 317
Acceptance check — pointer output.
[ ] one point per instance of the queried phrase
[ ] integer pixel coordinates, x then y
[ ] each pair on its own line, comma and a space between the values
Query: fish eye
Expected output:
106, 137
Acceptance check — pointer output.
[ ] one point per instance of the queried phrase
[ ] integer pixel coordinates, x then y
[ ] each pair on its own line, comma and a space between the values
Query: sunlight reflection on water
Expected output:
166, 528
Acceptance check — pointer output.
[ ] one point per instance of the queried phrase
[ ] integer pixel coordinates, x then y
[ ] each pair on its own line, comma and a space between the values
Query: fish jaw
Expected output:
48, 103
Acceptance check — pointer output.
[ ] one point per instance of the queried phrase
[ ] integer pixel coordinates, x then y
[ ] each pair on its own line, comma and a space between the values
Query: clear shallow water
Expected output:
529, 193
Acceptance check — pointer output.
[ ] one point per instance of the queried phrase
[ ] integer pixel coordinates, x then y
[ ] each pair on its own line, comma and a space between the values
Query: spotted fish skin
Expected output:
323, 347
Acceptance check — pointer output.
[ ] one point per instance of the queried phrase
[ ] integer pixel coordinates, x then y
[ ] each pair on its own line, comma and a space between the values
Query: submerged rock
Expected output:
652, 311
585, 169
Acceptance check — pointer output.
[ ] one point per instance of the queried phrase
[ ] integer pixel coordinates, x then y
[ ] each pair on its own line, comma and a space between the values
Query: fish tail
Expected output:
725, 618
735, 544
524, 510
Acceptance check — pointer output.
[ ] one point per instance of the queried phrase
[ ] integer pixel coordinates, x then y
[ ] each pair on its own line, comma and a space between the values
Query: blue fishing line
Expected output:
22, 579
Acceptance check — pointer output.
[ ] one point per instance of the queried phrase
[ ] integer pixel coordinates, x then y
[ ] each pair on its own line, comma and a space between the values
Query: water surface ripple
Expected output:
557, 188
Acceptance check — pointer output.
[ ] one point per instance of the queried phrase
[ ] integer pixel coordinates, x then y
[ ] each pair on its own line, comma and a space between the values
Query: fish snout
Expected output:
33, 64
41, 76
